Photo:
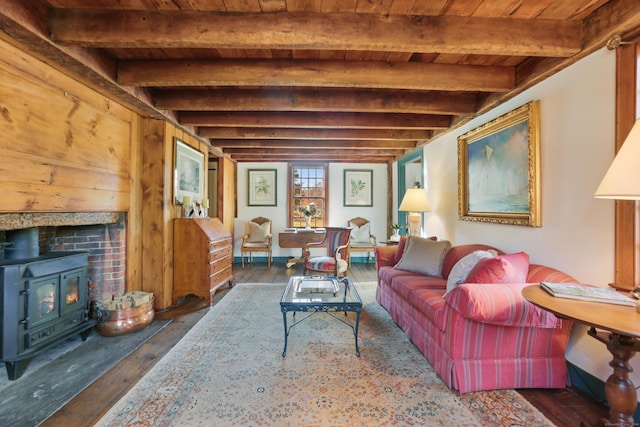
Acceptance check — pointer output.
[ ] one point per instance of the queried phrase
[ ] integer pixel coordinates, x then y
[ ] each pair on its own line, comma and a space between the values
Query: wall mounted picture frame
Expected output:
358, 187
499, 169
262, 187
188, 173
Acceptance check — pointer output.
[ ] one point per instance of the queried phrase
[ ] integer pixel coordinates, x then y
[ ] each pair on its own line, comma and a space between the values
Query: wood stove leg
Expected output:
16, 369
619, 389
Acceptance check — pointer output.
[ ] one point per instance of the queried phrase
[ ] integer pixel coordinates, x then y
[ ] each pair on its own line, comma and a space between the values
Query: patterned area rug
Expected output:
229, 371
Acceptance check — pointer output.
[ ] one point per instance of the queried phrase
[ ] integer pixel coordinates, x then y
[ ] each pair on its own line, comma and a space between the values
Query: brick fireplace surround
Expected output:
102, 235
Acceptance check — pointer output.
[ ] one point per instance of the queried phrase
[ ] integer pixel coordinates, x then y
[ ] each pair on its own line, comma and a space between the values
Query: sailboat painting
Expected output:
498, 181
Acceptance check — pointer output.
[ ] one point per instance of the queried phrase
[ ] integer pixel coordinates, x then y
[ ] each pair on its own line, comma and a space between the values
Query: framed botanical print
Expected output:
358, 187
499, 169
262, 187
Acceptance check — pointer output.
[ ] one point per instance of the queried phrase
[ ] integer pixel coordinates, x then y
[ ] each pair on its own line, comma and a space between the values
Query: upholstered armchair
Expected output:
336, 262
257, 239
361, 238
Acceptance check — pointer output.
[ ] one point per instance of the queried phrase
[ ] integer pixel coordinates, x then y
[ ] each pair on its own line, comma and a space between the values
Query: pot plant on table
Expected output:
395, 237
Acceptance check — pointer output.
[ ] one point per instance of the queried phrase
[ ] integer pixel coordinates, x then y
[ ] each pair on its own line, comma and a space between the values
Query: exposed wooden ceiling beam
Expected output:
615, 17
316, 120
316, 134
319, 158
318, 31
316, 73
309, 144
397, 101
314, 156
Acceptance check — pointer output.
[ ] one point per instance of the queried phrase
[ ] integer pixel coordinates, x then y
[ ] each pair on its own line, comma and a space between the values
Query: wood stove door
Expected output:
42, 304
74, 291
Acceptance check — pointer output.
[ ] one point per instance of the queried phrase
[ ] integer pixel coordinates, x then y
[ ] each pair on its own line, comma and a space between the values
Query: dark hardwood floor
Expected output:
565, 407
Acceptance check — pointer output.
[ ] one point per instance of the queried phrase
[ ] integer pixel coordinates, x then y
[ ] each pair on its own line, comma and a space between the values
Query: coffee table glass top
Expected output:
314, 290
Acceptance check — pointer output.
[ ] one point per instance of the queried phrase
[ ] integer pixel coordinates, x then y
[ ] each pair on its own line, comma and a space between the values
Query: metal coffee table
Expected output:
319, 294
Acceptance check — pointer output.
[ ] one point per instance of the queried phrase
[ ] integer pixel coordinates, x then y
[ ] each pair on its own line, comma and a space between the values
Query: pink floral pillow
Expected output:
510, 268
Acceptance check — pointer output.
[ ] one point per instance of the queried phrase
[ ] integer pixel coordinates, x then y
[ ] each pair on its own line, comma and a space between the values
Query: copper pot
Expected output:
112, 323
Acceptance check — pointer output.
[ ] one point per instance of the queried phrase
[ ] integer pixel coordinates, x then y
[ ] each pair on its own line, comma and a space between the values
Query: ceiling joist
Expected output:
318, 31
357, 81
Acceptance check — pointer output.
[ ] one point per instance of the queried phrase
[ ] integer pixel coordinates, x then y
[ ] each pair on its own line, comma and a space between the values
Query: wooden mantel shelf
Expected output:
15, 221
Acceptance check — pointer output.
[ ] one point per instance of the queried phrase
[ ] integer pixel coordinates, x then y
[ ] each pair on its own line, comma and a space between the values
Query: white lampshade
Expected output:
415, 200
622, 180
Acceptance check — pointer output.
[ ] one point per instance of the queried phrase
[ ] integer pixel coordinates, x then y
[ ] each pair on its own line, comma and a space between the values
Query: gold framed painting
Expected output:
499, 169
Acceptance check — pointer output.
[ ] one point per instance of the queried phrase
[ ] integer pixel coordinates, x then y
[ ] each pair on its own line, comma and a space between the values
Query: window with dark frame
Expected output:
307, 185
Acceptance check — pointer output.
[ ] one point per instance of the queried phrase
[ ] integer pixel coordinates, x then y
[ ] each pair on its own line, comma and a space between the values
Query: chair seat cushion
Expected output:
256, 245
326, 263
361, 245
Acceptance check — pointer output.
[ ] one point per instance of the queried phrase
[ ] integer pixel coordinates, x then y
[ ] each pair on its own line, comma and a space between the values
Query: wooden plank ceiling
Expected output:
325, 80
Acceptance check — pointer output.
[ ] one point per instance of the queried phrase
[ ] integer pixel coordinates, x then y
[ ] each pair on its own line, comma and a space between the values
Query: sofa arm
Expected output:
499, 304
385, 255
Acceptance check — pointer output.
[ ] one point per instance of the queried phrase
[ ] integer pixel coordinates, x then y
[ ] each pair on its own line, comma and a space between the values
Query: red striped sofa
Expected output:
477, 336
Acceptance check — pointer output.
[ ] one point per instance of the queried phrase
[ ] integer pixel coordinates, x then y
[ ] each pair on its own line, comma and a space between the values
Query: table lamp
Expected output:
415, 201
622, 180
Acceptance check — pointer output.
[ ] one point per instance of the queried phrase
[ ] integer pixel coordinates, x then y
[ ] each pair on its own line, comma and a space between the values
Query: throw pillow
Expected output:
400, 248
424, 256
463, 267
511, 268
257, 232
360, 234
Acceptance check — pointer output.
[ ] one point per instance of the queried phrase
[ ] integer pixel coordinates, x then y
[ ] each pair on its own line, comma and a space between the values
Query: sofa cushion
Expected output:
499, 304
430, 302
511, 268
424, 256
403, 285
461, 270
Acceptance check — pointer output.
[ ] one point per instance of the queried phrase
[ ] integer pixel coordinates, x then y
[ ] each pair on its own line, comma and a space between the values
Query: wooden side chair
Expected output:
361, 238
336, 262
257, 239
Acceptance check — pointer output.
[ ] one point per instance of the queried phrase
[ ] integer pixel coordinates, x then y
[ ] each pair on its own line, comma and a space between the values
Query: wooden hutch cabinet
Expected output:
202, 257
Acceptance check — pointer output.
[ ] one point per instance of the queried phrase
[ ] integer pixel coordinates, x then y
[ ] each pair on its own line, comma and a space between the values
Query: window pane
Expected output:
308, 186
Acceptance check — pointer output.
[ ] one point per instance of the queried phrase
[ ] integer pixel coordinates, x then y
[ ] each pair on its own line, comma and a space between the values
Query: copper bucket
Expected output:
113, 323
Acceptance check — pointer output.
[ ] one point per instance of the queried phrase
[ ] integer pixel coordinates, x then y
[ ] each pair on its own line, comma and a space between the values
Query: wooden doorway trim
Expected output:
626, 221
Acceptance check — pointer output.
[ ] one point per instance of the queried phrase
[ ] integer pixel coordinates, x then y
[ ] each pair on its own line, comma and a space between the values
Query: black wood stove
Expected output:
42, 301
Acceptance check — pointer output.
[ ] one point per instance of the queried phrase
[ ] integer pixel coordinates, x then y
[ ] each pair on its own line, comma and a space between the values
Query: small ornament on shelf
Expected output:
186, 206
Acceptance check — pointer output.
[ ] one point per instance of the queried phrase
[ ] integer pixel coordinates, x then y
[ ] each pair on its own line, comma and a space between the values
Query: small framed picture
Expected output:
189, 170
262, 187
358, 187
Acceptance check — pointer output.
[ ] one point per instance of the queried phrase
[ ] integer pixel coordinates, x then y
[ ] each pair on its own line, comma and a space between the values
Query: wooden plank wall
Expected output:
66, 148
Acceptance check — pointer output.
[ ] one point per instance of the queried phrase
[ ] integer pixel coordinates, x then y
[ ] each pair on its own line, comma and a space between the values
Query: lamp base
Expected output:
415, 222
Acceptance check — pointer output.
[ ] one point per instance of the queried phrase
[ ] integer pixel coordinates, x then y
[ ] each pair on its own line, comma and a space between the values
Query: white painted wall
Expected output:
338, 213
577, 233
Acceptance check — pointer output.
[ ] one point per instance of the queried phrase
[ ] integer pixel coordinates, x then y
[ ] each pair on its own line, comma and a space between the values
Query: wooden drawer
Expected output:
220, 253
220, 277
217, 244
219, 265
